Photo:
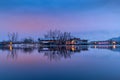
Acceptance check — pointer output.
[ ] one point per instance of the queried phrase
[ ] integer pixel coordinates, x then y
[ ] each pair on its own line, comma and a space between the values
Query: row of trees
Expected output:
55, 35
58, 35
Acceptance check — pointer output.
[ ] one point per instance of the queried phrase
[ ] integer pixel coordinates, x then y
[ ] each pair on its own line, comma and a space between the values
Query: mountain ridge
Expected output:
115, 39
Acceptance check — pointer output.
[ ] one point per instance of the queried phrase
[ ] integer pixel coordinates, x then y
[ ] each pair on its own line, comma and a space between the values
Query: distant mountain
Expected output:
115, 39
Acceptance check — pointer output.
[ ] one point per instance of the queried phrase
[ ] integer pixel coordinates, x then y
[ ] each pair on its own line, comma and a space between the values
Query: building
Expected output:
48, 42
76, 41
108, 42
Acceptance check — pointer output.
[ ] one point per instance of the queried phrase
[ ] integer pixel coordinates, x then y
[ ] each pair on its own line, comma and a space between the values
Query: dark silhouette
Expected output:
13, 37
28, 40
58, 36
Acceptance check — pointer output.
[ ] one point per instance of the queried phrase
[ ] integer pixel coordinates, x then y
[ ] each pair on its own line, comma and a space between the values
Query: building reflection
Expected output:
115, 48
56, 53
51, 52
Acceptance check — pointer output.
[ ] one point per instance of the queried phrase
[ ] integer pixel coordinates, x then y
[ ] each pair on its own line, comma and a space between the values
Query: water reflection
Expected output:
54, 52
115, 48
12, 54
51, 52
35, 60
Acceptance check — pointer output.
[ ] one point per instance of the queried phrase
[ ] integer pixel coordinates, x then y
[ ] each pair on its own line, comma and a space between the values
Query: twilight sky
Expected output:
89, 19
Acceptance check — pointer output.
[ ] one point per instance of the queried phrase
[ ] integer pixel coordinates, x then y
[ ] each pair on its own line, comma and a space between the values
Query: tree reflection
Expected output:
51, 52
56, 53
28, 50
12, 54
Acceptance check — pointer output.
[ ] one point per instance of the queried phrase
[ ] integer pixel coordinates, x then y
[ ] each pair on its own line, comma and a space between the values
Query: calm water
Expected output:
65, 63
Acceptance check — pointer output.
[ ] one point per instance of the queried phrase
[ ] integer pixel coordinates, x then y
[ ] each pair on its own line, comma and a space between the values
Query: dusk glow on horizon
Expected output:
89, 19
59, 39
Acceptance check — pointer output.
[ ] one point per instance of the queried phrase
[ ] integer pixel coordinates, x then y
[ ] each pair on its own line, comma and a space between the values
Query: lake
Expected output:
60, 63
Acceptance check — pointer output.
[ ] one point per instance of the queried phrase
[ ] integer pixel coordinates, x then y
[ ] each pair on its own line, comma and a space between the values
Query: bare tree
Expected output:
13, 37
54, 35
28, 40
58, 35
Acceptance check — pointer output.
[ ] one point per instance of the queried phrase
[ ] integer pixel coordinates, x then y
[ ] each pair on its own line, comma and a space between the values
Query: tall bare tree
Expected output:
58, 35
13, 37
54, 35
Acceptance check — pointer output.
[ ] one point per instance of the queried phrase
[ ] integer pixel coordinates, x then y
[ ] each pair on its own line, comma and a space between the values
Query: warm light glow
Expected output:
73, 41
114, 42
11, 48
73, 48
95, 46
10, 43
114, 46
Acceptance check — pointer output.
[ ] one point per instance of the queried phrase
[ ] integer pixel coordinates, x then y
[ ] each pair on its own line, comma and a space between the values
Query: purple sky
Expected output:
90, 19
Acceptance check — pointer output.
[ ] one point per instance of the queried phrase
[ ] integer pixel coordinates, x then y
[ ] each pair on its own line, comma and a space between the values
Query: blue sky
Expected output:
89, 19
52, 5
